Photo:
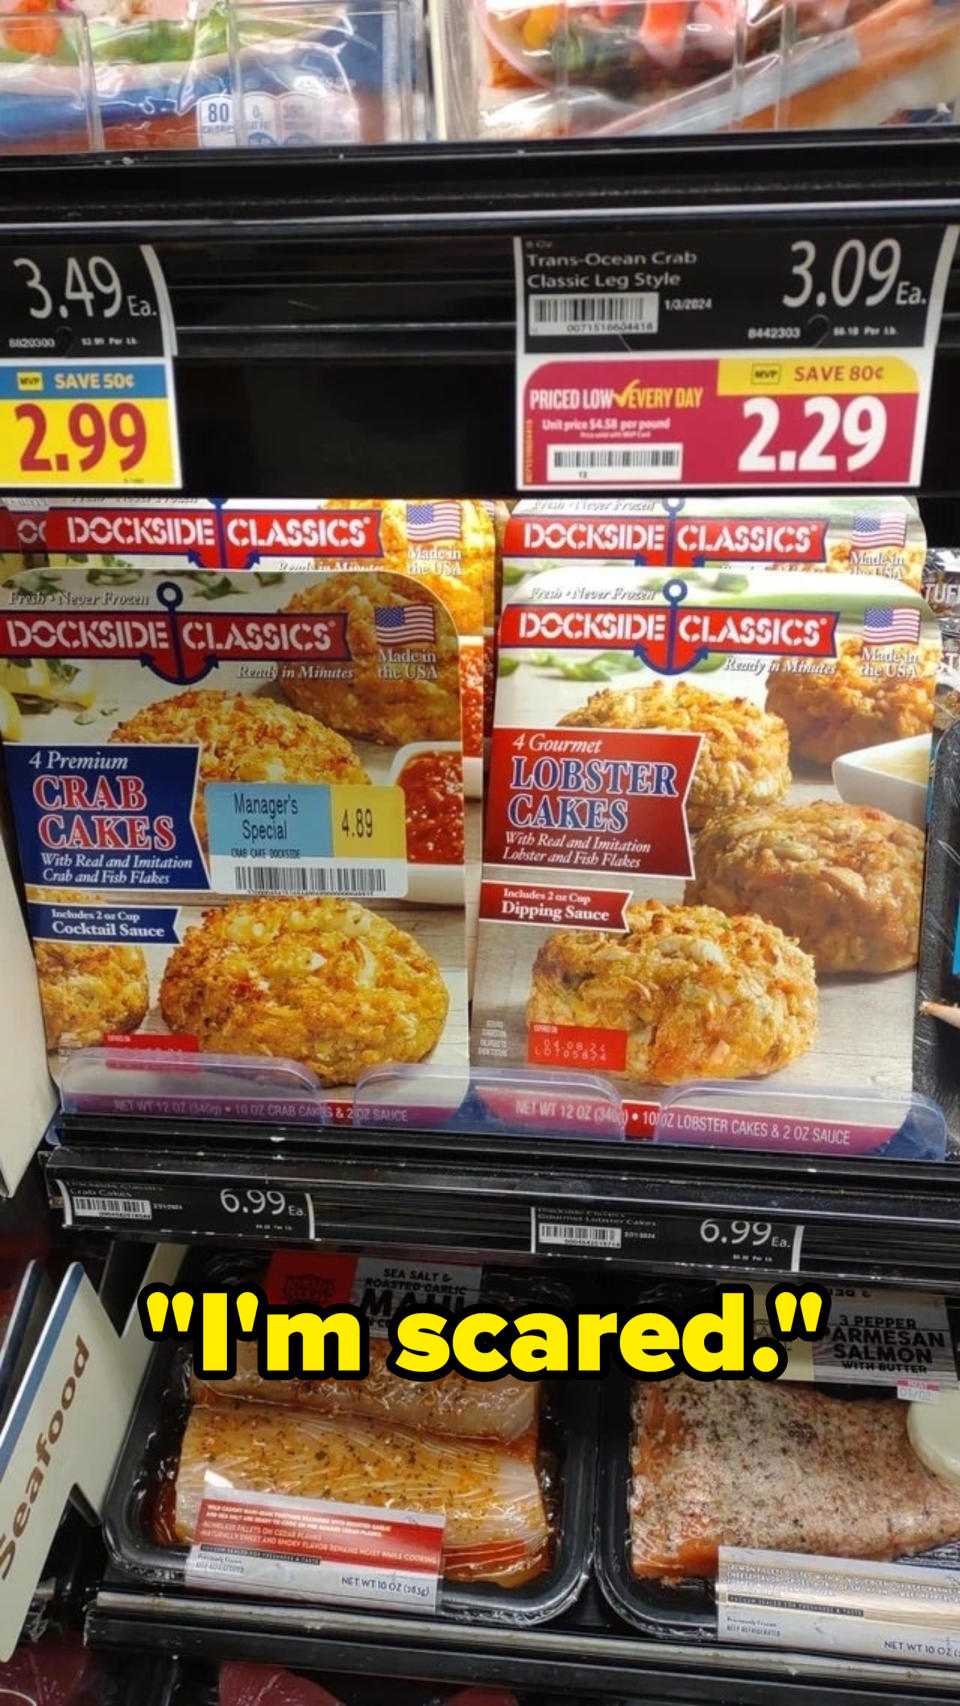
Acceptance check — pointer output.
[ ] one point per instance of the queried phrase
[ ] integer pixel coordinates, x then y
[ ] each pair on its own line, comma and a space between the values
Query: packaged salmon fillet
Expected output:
379, 1286
705, 838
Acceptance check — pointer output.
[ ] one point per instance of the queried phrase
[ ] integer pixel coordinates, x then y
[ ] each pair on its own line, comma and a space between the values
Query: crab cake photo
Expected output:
743, 755
321, 981
394, 693
844, 880
858, 703
455, 559
243, 739
90, 990
699, 994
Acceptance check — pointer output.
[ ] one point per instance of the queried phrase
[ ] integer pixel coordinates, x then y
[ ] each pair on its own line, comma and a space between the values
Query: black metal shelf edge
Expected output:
573, 1661
478, 185
865, 1221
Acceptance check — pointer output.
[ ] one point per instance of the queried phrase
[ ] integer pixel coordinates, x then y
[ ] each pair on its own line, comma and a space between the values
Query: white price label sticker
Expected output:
316, 1549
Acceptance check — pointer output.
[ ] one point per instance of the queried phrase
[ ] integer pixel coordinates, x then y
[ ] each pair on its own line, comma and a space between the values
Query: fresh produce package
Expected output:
705, 837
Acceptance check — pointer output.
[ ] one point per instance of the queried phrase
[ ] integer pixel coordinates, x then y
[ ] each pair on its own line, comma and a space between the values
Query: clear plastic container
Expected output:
641, 67
306, 73
47, 93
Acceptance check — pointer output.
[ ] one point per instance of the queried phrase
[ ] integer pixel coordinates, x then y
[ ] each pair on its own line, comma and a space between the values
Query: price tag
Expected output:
162, 1207
86, 375
307, 838
695, 1240
643, 361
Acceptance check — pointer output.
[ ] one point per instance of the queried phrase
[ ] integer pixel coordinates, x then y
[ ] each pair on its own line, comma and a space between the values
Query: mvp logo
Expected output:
764, 376
29, 381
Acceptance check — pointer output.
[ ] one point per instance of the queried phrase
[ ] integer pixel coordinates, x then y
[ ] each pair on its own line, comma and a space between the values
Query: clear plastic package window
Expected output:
642, 67
47, 94
310, 73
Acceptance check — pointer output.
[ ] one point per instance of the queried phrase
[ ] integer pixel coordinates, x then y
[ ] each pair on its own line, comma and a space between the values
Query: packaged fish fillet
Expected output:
378, 1286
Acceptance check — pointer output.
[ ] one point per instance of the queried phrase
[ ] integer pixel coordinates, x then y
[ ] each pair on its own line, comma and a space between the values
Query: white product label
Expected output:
316, 1549
585, 315
877, 1336
601, 462
583, 1237
216, 124
900, 1339
918, 1392
890, 1611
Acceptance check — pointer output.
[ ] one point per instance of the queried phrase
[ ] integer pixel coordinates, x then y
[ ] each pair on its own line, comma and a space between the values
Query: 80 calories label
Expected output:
648, 364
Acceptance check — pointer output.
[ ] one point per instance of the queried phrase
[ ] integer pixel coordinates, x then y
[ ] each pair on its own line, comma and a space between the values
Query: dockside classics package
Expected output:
704, 837
239, 803
449, 544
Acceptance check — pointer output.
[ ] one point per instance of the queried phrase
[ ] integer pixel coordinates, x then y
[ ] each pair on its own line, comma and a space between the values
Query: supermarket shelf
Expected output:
864, 1221
577, 1659
311, 287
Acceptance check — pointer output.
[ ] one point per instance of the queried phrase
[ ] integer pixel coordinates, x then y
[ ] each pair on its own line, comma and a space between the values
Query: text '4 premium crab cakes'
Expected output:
215, 869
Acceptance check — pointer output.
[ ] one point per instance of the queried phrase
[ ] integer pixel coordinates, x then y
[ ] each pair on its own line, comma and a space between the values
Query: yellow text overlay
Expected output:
712, 1343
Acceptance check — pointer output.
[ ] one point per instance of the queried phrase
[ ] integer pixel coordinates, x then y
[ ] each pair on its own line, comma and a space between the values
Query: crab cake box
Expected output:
239, 806
674, 889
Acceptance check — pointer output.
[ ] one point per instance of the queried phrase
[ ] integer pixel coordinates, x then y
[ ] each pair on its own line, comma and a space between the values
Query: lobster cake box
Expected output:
239, 805
703, 860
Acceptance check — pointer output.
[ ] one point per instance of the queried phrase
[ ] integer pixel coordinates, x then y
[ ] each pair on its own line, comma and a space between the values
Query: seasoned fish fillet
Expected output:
497, 1409
497, 1528
740, 1463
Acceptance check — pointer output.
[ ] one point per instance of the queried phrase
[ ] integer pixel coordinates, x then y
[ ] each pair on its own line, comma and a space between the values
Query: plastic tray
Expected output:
671, 1611
936, 1045
570, 1429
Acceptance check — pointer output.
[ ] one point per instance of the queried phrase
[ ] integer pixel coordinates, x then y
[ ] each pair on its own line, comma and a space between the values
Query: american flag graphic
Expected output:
429, 522
891, 625
867, 532
405, 624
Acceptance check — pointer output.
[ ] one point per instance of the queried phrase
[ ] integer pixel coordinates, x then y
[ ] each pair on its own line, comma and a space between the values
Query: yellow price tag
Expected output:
368, 823
100, 424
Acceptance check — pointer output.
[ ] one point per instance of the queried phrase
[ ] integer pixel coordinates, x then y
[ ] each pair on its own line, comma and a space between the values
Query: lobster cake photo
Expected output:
858, 701
699, 995
743, 757
844, 880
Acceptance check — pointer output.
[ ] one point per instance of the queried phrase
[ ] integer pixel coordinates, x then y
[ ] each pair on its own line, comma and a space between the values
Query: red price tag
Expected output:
643, 362
731, 421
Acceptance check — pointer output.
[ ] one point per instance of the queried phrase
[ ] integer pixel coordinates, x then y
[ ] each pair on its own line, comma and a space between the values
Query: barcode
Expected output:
602, 461
120, 1208
309, 879
557, 1232
638, 312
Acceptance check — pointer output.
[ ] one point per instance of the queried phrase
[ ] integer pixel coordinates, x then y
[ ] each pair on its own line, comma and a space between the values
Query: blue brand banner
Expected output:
106, 817
68, 921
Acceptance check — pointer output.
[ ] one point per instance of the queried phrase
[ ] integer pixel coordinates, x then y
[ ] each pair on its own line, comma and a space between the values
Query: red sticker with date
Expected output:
649, 366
